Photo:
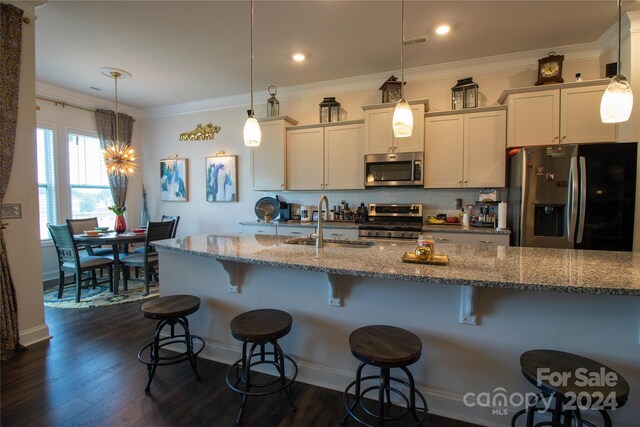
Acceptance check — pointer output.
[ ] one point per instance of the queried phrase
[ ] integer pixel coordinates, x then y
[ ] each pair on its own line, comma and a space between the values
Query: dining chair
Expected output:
70, 260
175, 225
148, 258
78, 226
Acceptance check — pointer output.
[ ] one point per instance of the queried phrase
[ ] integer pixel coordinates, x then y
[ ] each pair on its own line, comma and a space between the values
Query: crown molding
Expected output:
87, 101
609, 40
505, 62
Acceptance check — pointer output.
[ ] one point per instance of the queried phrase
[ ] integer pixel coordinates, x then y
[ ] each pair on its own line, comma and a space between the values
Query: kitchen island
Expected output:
474, 316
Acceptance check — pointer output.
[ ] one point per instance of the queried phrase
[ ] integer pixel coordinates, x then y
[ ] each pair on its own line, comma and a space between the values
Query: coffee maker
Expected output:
285, 210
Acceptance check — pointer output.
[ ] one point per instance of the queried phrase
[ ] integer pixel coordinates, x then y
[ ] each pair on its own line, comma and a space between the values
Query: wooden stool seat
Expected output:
382, 345
171, 307
566, 379
260, 326
560, 362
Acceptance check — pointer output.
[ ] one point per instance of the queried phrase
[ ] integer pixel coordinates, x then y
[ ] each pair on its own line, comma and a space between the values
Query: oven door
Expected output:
385, 170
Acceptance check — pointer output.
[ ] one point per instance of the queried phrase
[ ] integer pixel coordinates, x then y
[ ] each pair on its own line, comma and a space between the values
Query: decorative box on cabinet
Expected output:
269, 159
378, 125
562, 114
465, 149
326, 156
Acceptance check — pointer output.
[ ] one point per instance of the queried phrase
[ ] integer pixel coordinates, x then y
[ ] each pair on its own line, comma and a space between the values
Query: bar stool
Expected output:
258, 328
170, 310
385, 347
570, 395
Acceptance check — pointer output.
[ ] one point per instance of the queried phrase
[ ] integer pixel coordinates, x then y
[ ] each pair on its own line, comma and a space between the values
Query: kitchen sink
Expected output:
332, 243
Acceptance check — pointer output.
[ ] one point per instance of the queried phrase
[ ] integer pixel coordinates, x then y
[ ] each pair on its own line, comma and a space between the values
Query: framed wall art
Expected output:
173, 180
221, 179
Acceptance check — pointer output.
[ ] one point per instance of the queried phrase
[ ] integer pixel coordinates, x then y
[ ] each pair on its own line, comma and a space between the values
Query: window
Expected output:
46, 180
90, 194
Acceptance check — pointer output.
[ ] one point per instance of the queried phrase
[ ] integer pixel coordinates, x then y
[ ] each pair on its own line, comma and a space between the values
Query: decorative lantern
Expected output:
464, 94
273, 105
329, 110
391, 90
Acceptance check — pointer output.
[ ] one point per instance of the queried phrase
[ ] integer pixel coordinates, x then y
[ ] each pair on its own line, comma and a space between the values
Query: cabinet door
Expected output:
378, 131
284, 230
580, 116
305, 164
259, 229
268, 160
443, 151
341, 233
415, 142
533, 119
343, 157
485, 239
484, 149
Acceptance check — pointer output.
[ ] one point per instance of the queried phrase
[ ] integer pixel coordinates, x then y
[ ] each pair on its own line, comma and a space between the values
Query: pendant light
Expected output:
119, 160
617, 100
252, 134
402, 115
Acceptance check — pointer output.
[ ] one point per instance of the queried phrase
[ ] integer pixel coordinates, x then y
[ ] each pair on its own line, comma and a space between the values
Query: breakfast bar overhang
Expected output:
518, 298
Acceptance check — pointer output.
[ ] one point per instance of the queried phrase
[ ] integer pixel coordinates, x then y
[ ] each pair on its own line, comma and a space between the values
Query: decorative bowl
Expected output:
139, 230
102, 229
91, 233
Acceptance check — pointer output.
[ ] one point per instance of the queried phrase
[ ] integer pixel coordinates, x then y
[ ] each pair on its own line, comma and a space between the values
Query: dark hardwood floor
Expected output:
88, 375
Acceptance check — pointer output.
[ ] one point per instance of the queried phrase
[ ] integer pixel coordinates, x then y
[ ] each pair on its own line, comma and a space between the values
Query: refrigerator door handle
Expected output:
572, 199
583, 199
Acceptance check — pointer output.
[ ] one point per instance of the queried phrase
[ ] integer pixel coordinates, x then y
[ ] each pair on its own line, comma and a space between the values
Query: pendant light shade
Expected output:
252, 134
402, 115
617, 100
402, 120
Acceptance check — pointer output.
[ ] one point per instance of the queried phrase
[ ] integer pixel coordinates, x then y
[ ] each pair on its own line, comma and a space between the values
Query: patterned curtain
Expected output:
106, 121
10, 50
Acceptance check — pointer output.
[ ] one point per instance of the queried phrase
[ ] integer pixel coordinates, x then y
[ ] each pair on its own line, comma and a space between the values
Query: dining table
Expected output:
115, 240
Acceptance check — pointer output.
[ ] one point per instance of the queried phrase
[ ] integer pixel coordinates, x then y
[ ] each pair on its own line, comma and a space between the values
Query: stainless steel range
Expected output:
393, 221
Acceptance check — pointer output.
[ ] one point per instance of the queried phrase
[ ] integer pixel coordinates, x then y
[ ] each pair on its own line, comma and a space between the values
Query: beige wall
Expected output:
22, 235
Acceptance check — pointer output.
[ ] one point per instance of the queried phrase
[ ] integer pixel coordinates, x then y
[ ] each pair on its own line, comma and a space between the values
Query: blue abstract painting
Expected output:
173, 180
221, 179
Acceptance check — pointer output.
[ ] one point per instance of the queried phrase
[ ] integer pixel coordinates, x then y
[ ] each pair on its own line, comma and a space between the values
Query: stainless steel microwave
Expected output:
393, 170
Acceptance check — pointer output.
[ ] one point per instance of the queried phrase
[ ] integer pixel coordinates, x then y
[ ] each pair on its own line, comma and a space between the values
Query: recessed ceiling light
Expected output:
441, 30
298, 57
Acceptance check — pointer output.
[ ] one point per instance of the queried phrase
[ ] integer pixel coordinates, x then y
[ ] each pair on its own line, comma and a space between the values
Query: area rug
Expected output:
100, 296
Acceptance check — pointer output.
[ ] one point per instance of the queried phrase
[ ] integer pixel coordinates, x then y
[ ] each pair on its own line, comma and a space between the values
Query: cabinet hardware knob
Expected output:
460, 182
466, 180
564, 136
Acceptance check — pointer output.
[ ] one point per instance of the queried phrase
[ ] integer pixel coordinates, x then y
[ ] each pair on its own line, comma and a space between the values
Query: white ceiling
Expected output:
180, 51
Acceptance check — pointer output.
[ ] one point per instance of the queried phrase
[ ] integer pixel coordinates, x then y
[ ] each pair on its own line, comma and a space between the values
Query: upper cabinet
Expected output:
326, 157
268, 160
560, 114
464, 149
378, 129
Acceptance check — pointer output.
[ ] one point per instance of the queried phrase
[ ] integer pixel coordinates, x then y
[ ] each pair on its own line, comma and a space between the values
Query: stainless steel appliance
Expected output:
396, 169
573, 196
393, 221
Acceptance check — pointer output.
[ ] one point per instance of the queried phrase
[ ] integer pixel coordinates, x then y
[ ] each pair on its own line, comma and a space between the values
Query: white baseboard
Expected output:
33, 335
440, 403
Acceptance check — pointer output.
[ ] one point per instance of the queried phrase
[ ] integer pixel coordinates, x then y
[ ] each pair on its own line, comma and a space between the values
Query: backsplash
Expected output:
434, 201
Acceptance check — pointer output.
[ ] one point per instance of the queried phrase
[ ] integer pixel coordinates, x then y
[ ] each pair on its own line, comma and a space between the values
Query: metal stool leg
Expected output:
384, 377
356, 395
155, 353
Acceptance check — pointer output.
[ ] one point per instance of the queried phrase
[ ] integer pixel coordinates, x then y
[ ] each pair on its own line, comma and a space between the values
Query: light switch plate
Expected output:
11, 210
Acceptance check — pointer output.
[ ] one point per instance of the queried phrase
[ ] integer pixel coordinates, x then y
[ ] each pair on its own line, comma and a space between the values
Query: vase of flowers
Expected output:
120, 226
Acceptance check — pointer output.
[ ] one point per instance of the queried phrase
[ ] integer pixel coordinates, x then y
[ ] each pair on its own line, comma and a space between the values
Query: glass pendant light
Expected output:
617, 100
251, 133
402, 115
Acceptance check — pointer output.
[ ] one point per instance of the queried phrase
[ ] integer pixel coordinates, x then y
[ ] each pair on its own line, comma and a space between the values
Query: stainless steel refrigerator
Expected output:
573, 196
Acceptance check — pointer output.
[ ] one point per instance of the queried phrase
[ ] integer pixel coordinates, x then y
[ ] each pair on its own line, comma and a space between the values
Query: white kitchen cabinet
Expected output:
269, 159
465, 149
533, 119
567, 114
580, 116
329, 157
486, 239
378, 133
259, 229
295, 231
305, 153
343, 157
340, 233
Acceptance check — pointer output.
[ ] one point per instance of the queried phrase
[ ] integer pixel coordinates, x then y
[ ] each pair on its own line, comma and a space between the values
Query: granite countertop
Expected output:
325, 224
434, 228
559, 270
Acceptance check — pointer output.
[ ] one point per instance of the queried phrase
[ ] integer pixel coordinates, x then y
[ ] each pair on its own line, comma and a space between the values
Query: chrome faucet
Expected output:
319, 239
